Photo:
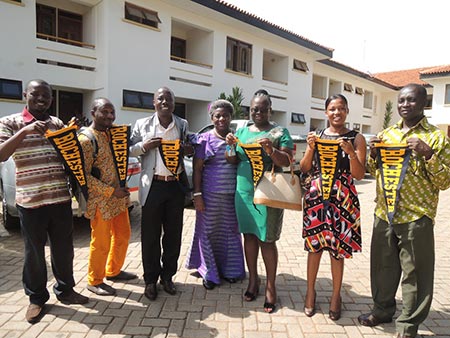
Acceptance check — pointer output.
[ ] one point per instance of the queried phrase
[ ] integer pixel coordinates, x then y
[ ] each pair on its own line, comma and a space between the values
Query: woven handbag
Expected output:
279, 190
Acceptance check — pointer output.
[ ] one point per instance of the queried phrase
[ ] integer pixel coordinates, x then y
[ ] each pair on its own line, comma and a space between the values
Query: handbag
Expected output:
279, 190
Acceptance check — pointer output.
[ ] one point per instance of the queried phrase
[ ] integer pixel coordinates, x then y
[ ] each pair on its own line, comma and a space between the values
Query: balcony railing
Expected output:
190, 62
64, 40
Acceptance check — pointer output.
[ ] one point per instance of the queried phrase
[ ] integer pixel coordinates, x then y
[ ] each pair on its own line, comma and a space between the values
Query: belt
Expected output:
164, 178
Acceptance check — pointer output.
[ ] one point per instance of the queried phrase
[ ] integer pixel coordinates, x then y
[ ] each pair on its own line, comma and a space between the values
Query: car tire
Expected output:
9, 222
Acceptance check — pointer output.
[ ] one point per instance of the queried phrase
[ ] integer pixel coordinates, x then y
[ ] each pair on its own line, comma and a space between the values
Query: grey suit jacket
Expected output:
144, 129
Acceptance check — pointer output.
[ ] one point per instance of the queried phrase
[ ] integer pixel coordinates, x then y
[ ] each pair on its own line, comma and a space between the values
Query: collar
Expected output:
28, 117
157, 123
422, 123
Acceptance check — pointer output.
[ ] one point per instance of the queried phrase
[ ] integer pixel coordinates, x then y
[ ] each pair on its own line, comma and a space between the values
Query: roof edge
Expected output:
253, 20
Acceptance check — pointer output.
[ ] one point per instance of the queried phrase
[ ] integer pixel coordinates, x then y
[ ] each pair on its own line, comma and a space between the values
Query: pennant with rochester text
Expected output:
120, 140
66, 143
254, 153
170, 152
328, 155
392, 162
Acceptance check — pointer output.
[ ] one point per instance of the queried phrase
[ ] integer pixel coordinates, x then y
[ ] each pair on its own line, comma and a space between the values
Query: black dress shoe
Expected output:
72, 297
208, 284
369, 319
122, 275
168, 286
231, 280
150, 291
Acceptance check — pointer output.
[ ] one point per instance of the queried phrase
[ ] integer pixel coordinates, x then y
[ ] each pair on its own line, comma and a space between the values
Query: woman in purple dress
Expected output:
216, 250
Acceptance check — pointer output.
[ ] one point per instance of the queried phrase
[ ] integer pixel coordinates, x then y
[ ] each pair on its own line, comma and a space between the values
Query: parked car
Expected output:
8, 191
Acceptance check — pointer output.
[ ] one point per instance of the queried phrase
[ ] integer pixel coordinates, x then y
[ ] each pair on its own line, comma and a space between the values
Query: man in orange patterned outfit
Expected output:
107, 205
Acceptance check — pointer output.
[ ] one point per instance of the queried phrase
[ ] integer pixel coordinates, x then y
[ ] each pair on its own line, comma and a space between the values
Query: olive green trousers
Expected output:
403, 249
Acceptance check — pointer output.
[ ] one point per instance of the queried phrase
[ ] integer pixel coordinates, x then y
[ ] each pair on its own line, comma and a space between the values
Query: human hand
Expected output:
346, 145
39, 127
373, 150
267, 145
311, 139
121, 192
420, 147
198, 203
230, 139
152, 143
74, 121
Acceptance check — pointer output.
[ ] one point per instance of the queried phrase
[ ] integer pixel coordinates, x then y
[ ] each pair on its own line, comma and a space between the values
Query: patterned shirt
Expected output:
101, 190
419, 193
40, 176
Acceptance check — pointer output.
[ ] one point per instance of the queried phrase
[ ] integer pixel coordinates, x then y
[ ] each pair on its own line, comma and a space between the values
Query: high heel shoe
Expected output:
311, 311
336, 315
250, 296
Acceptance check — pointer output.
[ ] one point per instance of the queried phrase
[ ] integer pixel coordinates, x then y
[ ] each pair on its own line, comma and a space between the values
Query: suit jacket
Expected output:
143, 130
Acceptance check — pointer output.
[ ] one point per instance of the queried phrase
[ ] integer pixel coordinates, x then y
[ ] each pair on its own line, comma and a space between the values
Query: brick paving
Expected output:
196, 312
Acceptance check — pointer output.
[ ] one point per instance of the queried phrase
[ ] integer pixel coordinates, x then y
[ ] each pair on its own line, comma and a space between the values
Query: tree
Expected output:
235, 99
387, 114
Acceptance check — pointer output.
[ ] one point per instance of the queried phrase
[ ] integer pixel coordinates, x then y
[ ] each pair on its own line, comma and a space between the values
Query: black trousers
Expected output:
55, 223
163, 210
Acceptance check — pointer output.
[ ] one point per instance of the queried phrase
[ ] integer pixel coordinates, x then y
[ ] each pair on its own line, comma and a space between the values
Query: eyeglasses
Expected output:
255, 110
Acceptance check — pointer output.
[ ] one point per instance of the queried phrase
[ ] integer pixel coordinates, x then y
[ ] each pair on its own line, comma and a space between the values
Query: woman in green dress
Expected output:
260, 225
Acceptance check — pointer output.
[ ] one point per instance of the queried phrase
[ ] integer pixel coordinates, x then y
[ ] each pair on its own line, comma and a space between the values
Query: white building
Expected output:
125, 50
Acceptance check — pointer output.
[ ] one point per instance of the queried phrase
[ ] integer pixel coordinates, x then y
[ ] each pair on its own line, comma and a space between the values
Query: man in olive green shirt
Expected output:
407, 245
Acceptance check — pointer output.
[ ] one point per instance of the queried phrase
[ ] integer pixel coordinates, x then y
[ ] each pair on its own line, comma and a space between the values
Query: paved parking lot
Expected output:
195, 312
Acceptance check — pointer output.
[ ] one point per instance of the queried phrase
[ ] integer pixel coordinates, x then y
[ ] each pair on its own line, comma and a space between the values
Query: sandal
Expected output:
336, 315
269, 307
251, 296
311, 311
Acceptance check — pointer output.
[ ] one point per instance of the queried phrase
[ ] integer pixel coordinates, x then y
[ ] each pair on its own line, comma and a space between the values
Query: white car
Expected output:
8, 191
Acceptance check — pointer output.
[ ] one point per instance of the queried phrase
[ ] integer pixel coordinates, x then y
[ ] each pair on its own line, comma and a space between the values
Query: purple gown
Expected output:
216, 251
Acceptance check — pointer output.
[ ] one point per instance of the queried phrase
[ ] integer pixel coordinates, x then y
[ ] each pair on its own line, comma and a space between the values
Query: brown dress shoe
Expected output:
34, 313
150, 291
72, 297
168, 286
370, 320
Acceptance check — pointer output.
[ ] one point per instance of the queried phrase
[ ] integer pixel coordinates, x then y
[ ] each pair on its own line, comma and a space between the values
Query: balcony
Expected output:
191, 54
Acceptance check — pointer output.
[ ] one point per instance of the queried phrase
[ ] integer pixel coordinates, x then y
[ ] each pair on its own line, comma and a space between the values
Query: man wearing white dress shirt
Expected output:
161, 193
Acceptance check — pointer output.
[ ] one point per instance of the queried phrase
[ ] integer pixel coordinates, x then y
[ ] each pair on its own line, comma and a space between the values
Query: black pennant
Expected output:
120, 139
66, 143
171, 155
392, 161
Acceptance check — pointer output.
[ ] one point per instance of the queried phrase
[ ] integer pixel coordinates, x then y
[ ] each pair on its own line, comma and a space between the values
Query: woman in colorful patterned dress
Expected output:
333, 224
216, 250
260, 225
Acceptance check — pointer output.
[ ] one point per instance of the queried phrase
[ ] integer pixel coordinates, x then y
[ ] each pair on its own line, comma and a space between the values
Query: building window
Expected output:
356, 126
368, 99
359, 91
178, 49
347, 125
298, 118
301, 65
136, 99
141, 15
319, 87
10, 89
239, 56
429, 103
447, 94
348, 87
54, 22
180, 110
